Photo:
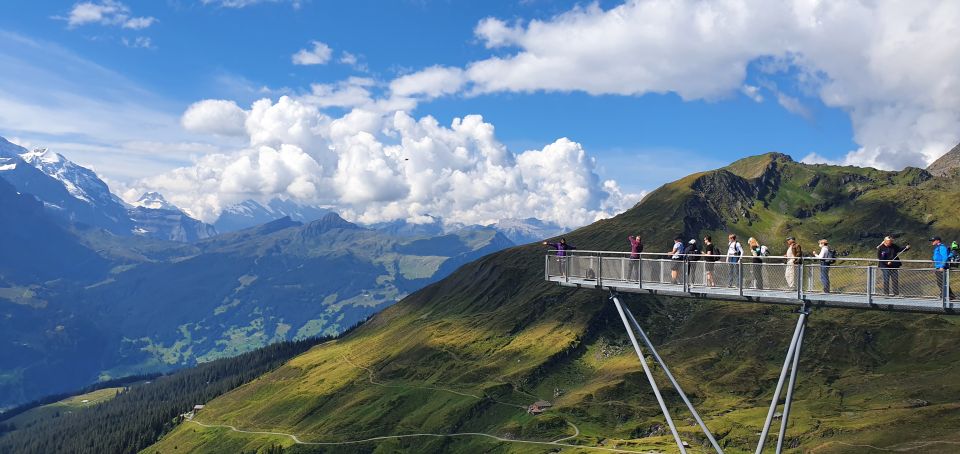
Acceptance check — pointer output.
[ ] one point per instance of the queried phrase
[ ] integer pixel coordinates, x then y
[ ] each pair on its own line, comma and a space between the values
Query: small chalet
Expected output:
534, 410
197, 408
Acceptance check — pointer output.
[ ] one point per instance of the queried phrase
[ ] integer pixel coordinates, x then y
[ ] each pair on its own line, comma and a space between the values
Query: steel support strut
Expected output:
666, 370
791, 359
789, 399
646, 370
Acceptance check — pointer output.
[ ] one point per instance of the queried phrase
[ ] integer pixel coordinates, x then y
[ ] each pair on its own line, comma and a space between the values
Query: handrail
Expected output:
913, 286
586, 252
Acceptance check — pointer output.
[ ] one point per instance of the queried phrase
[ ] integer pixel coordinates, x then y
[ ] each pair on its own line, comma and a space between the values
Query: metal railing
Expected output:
845, 281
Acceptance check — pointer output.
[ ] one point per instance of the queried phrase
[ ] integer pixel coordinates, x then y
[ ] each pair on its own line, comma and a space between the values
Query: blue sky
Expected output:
659, 112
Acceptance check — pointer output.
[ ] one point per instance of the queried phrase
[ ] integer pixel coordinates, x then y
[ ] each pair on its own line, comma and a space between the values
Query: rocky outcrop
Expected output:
946, 164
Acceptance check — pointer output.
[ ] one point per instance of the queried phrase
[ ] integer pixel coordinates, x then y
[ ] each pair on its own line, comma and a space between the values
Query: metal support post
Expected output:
546, 268
945, 288
871, 283
740, 274
599, 271
789, 399
783, 376
799, 276
676, 385
640, 271
623, 270
686, 275
646, 370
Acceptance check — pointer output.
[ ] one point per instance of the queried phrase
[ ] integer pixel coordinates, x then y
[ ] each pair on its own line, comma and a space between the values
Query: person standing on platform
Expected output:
676, 254
633, 266
940, 264
563, 250
711, 253
824, 256
691, 254
794, 252
756, 268
734, 251
888, 260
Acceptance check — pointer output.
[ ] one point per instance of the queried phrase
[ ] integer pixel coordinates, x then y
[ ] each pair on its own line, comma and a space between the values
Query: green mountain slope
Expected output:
467, 354
149, 305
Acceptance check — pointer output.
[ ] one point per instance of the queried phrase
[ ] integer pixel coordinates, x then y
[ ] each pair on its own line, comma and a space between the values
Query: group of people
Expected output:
685, 253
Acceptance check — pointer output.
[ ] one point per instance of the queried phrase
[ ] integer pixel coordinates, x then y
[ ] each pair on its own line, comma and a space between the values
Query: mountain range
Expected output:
93, 288
467, 354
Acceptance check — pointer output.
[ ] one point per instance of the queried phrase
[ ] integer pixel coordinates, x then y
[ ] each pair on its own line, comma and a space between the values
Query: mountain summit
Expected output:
154, 201
947, 163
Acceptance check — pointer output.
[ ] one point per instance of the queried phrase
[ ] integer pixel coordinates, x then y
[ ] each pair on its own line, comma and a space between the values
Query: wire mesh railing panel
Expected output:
555, 266
955, 284
911, 283
582, 267
847, 280
613, 268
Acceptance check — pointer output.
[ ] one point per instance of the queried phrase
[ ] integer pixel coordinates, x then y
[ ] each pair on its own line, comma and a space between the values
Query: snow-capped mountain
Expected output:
81, 182
529, 230
83, 200
250, 213
76, 194
154, 201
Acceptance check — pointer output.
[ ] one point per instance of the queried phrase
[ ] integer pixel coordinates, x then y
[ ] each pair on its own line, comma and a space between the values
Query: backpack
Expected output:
830, 258
764, 251
953, 257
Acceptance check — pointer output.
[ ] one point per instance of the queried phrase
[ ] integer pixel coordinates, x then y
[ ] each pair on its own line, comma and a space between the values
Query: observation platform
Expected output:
854, 283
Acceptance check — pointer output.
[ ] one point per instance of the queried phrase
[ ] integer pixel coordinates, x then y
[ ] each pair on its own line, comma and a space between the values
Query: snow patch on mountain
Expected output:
154, 201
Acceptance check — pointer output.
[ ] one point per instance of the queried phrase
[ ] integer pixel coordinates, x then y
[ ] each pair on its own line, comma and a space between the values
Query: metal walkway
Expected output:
852, 282
803, 282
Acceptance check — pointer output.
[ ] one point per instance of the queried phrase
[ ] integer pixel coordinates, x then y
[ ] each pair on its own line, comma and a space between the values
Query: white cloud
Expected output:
215, 116
140, 42
245, 3
752, 92
793, 105
431, 82
372, 165
318, 55
106, 12
889, 65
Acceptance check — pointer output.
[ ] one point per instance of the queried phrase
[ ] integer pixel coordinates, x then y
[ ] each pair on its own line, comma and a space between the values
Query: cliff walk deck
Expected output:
805, 282
855, 283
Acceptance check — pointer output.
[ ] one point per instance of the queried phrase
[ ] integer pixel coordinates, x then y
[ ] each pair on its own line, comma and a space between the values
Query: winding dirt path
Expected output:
417, 435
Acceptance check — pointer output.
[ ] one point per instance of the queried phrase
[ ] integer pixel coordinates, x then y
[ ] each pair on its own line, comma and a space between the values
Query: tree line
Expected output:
138, 417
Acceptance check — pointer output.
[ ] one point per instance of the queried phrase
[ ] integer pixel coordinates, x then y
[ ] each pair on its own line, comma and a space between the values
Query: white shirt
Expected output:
824, 250
734, 249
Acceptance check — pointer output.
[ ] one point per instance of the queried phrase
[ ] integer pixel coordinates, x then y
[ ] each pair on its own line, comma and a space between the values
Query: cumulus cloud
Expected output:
215, 116
106, 12
318, 55
862, 57
431, 82
376, 166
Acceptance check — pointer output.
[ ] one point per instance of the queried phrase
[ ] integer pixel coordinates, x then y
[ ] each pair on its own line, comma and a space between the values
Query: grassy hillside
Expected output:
465, 355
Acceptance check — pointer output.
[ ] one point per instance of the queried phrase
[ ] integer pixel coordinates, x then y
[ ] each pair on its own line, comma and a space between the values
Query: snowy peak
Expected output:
155, 201
81, 182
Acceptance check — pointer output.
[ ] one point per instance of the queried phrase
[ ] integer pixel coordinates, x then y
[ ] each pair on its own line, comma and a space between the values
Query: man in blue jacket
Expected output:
940, 263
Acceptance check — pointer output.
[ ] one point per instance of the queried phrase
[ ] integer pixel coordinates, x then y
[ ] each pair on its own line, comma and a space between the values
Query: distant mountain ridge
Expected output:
78, 195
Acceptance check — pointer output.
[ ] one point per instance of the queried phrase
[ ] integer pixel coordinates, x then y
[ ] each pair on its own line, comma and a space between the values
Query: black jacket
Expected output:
886, 254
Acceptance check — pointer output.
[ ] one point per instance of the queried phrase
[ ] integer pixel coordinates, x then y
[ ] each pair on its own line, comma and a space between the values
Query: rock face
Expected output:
946, 164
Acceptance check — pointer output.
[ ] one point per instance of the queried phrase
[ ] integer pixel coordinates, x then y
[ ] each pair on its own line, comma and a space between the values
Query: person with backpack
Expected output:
711, 253
888, 260
691, 253
827, 258
633, 265
734, 251
954, 255
794, 254
941, 257
563, 251
676, 254
756, 268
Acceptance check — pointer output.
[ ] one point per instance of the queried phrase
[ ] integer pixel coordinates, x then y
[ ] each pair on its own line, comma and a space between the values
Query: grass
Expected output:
495, 330
64, 406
